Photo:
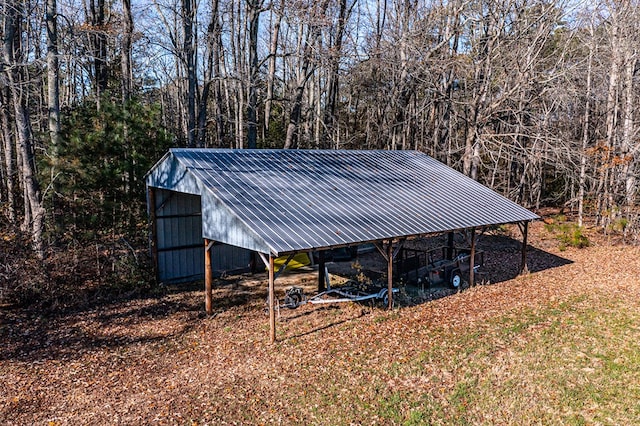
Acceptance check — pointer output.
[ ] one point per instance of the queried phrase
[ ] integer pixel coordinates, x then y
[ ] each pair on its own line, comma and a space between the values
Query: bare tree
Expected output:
53, 79
96, 11
273, 56
211, 78
9, 156
16, 78
126, 50
189, 59
254, 9
305, 70
585, 131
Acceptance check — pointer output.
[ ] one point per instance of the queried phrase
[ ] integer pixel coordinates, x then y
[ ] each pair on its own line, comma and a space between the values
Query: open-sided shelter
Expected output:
282, 202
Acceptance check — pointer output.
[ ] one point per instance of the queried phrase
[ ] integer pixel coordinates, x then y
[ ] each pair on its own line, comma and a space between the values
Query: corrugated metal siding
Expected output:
226, 258
306, 199
169, 174
180, 244
181, 265
179, 236
222, 224
179, 222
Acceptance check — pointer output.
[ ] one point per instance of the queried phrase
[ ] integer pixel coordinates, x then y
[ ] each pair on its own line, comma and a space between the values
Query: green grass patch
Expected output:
566, 364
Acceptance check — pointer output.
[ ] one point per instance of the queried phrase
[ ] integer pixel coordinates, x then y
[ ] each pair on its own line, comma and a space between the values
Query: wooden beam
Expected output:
284, 265
380, 249
208, 277
321, 271
264, 260
389, 256
472, 258
154, 231
523, 263
272, 297
398, 248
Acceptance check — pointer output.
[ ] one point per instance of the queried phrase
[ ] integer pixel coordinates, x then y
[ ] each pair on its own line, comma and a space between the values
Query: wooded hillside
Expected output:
534, 98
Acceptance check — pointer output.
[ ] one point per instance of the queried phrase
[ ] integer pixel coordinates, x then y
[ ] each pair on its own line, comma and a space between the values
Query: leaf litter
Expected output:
537, 347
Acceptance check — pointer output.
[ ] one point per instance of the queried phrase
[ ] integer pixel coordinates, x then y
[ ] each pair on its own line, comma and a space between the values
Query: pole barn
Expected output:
233, 203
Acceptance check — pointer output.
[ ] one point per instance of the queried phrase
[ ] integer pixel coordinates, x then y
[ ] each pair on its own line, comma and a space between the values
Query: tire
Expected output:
385, 301
292, 301
293, 298
456, 279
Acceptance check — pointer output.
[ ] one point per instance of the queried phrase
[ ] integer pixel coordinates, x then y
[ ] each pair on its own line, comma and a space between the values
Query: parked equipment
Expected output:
350, 292
439, 266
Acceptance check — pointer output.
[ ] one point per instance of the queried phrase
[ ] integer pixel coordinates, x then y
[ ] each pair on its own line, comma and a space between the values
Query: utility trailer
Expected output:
436, 267
349, 292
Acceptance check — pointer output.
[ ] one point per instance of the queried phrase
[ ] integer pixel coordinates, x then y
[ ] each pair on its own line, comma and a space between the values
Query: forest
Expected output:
536, 99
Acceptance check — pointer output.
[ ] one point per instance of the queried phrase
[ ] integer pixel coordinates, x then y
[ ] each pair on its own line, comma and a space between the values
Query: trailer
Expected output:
349, 292
436, 267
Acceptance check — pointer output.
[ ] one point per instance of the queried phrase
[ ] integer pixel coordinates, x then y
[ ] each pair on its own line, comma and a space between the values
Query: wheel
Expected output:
385, 301
455, 279
292, 301
293, 297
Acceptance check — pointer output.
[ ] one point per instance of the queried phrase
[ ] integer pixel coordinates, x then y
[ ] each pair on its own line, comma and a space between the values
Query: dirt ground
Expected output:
161, 360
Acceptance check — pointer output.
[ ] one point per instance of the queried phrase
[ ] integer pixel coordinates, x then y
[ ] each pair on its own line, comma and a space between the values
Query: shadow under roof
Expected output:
282, 201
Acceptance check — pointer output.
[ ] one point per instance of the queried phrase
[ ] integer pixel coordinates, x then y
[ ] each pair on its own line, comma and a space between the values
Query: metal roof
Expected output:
282, 201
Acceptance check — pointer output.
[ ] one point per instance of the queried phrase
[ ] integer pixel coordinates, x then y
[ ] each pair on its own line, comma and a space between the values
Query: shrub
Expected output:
567, 233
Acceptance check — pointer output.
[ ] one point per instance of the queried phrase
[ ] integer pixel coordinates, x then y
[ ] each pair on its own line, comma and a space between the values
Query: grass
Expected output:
574, 364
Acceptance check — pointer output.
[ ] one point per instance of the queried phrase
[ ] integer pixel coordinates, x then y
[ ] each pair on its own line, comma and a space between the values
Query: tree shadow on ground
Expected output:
503, 257
30, 336
66, 332
332, 324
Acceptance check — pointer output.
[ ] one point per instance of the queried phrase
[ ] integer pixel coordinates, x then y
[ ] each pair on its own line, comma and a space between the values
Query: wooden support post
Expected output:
472, 258
208, 277
321, 271
449, 245
272, 297
390, 273
154, 231
523, 264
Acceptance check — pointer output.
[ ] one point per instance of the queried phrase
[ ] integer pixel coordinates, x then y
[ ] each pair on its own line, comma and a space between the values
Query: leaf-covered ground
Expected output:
558, 346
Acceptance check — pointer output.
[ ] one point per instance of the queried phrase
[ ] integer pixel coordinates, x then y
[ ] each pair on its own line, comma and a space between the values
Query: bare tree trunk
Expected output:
9, 158
53, 80
605, 202
239, 67
13, 56
585, 140
294, 117
189, 59
316, 103
254, 8
125, 54
217, 67
127, 93
629, 133
99, 47
53, 94
213, 37
273, 52
333, 79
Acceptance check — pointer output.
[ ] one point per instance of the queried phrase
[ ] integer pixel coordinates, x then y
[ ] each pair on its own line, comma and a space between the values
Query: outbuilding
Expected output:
236, 204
